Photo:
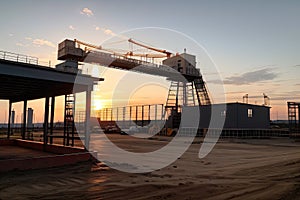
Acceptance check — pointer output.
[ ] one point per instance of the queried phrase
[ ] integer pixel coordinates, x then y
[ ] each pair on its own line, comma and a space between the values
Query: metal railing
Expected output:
5, 55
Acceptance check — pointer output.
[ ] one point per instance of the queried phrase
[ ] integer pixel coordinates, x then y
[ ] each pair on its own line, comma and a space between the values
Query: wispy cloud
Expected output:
28, 38
42, 42
108, 32
97, 28
71, 27
10, 35
246, 78
87, 12
20, 44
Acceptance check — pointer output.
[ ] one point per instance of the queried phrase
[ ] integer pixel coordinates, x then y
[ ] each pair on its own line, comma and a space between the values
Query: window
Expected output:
223, 113
250, 112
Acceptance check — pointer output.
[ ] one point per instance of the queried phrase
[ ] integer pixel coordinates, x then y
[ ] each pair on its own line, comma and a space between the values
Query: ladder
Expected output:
69, 125
293, 110
201, 91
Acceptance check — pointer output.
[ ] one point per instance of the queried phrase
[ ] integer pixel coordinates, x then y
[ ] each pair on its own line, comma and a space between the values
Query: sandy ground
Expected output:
235, 169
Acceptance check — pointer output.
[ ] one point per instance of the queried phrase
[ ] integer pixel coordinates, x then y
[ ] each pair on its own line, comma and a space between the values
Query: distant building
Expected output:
237, 116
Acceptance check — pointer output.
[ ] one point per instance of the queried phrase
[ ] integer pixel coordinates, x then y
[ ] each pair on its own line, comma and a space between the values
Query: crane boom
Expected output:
88, 45
151, 48
96, 47
130, 53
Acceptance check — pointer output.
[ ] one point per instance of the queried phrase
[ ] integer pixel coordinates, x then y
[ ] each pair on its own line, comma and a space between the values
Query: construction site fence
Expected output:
234, 133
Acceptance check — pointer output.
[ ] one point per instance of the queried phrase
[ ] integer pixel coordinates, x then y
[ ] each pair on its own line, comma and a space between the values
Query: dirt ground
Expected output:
235, 169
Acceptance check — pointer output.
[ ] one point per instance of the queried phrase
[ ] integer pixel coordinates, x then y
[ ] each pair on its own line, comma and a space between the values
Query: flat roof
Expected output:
23, 81
240, 103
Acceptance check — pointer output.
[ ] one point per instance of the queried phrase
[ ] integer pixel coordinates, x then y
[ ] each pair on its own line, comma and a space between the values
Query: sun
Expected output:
98, 104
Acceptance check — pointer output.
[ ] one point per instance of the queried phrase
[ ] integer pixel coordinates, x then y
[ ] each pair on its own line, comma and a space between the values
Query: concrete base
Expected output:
58, 155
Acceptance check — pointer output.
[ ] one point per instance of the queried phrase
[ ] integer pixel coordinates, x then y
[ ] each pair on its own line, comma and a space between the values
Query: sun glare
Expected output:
98, 104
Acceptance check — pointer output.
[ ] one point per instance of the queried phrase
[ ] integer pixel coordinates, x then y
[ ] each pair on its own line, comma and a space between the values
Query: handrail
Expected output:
5, 55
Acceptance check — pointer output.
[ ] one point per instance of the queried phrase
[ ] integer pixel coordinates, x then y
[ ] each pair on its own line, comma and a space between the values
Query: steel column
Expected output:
24, 119
87, 117
9, 120
52, 118
46, 122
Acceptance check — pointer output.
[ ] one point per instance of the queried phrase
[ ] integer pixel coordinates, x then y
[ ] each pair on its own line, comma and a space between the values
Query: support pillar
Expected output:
9, 120
46, 121
52, 118
24, 119
87, 117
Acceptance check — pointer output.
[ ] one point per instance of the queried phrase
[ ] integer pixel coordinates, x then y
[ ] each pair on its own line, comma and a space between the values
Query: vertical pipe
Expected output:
149, 117
177, 95
73, 121
106, 113
130, 112
136, 115
111, 114
124, 113
52, 118
24, 119
162, 112
46, 121
9, 119
184, 94
117, 114
142, 116
87, 117
155, 113
65, 122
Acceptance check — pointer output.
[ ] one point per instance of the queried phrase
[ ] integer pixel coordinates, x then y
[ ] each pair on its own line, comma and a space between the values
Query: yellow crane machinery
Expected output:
89, 46
146, 55
168, 54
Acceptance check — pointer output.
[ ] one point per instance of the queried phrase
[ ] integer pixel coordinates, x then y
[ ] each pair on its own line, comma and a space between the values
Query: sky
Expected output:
254, 45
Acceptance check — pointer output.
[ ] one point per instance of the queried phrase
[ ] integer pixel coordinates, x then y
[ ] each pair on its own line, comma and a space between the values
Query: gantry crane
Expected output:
191, 92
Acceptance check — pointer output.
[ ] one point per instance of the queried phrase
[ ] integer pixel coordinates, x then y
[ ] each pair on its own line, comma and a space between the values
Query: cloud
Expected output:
247, 78
87, 12
28, 38
42, 42
108, 32
10, 35
20, 44
71, 27
97, 28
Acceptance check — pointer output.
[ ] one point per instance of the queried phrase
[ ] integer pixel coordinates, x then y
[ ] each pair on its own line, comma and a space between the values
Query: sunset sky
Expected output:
254, 44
